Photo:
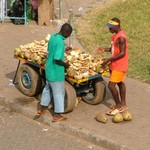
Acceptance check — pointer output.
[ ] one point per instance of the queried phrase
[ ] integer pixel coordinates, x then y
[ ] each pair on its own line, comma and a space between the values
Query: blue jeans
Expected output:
55, 90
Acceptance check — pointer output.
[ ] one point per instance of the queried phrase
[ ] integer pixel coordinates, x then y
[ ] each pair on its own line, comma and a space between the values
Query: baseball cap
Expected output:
111, 23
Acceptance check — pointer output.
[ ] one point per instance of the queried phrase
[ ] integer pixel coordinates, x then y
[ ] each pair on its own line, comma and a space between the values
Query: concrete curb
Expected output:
67, 128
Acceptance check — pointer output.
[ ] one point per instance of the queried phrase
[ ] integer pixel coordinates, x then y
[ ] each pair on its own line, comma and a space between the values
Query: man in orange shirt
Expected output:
118, 63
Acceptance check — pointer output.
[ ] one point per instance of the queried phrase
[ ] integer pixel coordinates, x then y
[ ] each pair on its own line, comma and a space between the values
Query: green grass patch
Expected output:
135, 20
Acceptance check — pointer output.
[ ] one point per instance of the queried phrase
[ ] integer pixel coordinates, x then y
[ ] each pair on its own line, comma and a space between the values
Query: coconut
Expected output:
99, 69
33, 57
75, 54
38, 58
78, 76
47, 37
85, 74
21, 54
117, 118
100, 117
69, 57
127, 116
42, 43
43, 61
71, 72
27, 54
17, 51
39, 61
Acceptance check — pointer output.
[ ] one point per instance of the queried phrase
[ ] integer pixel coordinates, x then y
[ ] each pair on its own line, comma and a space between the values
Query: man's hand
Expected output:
68, 49
67, 65
105, 62
100, 50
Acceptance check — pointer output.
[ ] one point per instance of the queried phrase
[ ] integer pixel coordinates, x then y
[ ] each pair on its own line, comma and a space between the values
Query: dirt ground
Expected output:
138, 94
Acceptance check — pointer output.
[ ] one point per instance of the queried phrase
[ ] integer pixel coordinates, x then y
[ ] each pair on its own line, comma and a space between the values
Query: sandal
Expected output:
61, 118
41, 112
112, 112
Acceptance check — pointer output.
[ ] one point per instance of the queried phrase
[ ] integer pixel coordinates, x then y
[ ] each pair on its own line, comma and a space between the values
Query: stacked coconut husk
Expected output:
82, 64
35, 51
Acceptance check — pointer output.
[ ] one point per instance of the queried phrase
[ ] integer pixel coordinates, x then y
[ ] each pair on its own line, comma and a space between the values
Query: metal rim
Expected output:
91, 93
26, 80
89, 96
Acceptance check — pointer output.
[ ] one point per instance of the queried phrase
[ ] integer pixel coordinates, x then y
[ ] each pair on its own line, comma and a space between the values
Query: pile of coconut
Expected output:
82, 64
35, 51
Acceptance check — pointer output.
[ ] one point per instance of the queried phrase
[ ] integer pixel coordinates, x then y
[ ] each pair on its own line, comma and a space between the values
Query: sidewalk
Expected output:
127, 135
132, 135
123, 136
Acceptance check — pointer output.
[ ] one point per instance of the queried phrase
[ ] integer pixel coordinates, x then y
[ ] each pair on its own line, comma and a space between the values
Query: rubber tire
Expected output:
35, 78
99, 94
70, 97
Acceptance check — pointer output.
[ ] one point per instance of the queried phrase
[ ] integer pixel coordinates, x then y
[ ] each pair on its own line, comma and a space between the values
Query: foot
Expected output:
125, 107
114, 110
58, 118
41, 111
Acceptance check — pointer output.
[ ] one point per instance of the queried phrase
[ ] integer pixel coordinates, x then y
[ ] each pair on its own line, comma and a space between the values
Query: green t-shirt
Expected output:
56, 47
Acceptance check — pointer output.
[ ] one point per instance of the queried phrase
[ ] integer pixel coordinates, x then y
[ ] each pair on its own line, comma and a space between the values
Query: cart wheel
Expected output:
29, 80
70, 97
95, 96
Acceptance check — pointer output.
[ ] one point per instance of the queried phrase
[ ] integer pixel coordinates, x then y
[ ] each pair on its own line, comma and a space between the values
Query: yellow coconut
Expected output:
100, 117
78, 76
117, 118
99, 69
21, 54
127, 116
43, 61
27, 54
47, 37
17, 51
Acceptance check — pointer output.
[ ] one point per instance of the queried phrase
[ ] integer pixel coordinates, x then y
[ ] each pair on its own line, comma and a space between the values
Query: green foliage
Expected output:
28, 11
135, 20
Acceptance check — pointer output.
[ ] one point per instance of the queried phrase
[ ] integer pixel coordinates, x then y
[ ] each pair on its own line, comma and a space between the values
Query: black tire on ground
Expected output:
97, 95
29, 80
70, 97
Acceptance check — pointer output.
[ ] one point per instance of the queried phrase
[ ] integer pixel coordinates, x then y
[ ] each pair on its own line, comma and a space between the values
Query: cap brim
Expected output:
110, 25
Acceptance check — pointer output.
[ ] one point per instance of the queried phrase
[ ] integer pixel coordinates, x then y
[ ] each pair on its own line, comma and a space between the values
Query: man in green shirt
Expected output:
55, 73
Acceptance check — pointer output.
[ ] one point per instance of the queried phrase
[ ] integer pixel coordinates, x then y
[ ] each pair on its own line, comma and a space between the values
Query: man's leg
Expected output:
58, 90
46, 95
122, 90
45, 99
115, 94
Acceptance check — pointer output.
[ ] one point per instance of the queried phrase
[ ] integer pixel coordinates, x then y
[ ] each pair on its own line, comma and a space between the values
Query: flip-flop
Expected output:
112, 112
41, 112
62, 118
